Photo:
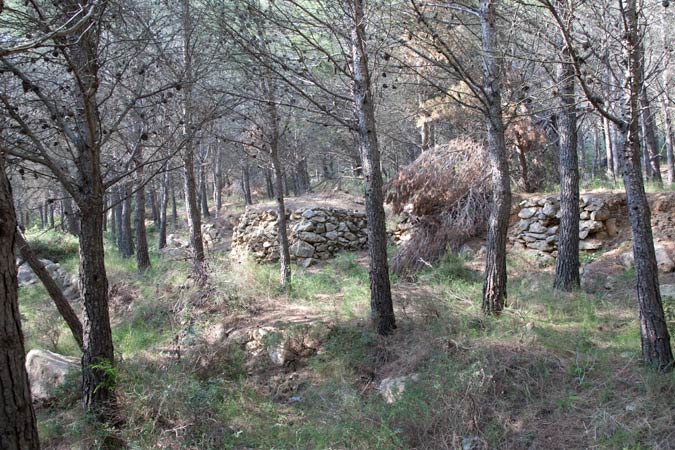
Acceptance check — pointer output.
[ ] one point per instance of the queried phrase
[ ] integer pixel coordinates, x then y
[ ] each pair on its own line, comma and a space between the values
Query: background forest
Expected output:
381, 224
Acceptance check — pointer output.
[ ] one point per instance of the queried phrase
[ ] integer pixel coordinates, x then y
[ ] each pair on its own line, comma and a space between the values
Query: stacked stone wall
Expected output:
314, 233
539, 220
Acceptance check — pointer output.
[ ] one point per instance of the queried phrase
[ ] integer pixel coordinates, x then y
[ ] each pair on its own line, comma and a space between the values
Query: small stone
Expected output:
305, 225
350, 236
550, 209
590, 244
591, 225
537, 227
311, 237
600, 215
331, 227
392, 389
331, 235
526, 213
610, 226
627, 260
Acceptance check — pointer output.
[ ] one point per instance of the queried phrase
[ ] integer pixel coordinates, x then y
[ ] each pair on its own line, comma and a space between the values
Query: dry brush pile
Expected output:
444, 196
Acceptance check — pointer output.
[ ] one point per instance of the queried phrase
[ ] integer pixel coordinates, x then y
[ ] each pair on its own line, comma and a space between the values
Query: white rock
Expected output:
392, 389
47, 371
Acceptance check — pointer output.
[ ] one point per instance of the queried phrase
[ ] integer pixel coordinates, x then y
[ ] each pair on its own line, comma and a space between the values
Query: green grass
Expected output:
569, 359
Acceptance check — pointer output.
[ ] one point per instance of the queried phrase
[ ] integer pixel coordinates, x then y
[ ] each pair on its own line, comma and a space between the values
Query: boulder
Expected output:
48, 371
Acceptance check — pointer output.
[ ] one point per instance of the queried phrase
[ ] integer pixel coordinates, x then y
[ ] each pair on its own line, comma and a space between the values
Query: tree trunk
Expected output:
191, 200
273, 142
174, 209
269, 184
494, 286
113, 216
126, 234
18, 430
609, 153
51, 214
665, 74
656, 349
651, 146
118, 199
142, 255
54, 291
218, 182
246, 183
382, 310
670, 142
203, 194
163, 203
98, 358
153, 205
524, 177
567, 264
72, 224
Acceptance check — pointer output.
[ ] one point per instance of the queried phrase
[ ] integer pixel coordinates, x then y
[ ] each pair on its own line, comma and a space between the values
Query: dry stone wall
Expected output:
314, 233
539, 220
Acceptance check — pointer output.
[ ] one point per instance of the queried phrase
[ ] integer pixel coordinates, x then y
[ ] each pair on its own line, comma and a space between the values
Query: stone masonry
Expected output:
314, 233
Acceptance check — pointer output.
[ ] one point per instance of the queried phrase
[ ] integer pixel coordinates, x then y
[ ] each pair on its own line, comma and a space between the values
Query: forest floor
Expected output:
555, 371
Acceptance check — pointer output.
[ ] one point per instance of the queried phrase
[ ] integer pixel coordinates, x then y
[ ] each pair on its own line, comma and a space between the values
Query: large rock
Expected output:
25, 275
526, 213
48, 371
310, 237
302, 249
663, 260
667, 290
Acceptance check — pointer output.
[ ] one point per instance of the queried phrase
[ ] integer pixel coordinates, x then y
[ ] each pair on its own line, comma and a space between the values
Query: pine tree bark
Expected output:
142, 255
273, 142
18, 430
117, 198
494, 286
666, 77
126, 243
609, 153
54, 291
246, 183
203, 194
567, 264
382, 309
655, 338
191, 200
163, 204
